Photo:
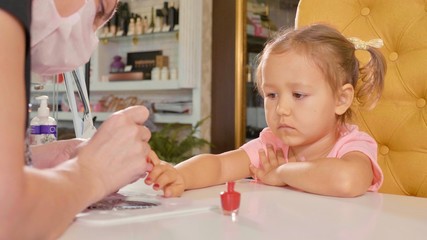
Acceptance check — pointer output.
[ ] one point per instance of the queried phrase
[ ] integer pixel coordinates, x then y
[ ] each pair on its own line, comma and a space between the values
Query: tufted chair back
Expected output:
399, 121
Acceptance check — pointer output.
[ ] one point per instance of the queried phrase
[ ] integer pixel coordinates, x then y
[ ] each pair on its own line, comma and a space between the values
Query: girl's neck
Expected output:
316, 150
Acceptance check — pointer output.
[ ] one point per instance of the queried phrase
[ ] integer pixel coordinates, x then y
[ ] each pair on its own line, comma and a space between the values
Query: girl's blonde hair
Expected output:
335, 56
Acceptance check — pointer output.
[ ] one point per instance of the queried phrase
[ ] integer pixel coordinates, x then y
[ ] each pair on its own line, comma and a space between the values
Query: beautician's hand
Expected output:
116, 154
268, 171
165, 177
51, 154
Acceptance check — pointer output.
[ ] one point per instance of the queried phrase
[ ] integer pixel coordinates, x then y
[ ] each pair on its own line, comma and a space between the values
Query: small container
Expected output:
164, 73
117, 65
155, 73
230, 200
43, 126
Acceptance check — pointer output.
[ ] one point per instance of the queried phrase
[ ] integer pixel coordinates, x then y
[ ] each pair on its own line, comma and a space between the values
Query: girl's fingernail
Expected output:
167, 194
156, 186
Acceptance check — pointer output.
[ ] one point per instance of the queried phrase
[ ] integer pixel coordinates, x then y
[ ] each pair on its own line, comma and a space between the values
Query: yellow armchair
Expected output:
399, 121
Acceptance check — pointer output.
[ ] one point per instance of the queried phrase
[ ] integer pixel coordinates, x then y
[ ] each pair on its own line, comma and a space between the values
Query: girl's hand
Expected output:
165, 177
267, 173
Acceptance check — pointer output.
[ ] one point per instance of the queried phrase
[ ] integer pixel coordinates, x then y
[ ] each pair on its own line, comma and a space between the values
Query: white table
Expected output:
265, 213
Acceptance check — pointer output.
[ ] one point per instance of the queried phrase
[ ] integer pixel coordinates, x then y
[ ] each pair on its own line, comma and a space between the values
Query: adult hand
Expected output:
267, 173
116, 154
51, 154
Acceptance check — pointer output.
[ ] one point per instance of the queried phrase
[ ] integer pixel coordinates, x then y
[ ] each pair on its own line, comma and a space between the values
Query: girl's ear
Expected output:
344, 99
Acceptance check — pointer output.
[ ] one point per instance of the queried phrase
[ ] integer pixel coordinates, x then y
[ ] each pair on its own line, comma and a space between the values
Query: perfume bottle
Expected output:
117, 65
131, 27
164, 73
172, 17
165, 11
138, 26
230, 200
151, 26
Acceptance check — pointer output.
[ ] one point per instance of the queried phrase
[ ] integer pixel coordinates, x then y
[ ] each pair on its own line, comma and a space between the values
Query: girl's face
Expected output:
299, 103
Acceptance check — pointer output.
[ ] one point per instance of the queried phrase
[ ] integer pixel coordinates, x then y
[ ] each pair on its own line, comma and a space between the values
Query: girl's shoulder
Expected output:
353, 139
351, 131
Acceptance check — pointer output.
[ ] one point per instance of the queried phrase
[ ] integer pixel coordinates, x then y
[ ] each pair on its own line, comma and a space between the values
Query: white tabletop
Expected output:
265, 213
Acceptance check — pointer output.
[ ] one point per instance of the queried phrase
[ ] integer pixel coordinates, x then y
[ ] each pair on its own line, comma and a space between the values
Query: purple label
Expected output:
35, 129
44, 129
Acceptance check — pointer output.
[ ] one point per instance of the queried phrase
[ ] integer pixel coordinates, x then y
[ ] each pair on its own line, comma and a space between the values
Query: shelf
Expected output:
255, 43
158, 117
102, 116
137, 38
48, 87
143, 85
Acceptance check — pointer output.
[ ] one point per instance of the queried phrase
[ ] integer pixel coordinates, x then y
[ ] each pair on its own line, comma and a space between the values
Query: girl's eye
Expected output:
298, 95
271, 95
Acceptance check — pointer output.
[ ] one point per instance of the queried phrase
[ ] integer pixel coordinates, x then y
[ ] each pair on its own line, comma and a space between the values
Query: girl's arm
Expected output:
348, 176
197, 172
209, 169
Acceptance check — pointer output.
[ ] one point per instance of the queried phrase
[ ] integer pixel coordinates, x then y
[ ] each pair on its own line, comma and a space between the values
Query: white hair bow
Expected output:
362, 45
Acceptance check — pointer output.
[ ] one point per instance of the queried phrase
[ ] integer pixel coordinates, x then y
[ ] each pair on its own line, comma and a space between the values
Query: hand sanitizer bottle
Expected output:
43, 127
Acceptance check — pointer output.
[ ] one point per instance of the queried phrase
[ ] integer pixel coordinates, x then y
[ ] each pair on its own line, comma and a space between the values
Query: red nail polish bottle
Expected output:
230, 200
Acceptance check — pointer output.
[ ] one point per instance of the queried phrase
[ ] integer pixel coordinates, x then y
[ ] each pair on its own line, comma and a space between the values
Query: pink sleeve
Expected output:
251, 148
266, 136
361, 142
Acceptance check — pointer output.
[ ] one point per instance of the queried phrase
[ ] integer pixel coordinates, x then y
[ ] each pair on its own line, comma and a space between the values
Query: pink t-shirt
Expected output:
351, 140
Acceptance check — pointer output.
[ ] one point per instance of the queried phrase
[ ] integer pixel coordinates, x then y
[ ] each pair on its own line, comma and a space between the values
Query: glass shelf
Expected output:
143, 85
137, 38
102, 116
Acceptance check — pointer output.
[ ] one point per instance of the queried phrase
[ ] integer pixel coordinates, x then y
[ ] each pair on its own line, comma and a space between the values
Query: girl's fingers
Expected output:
173, 191
265, 163
280, 157
271, 156
253, 170
165, 179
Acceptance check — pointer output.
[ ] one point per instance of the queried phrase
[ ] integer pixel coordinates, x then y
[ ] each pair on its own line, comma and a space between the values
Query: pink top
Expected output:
351, 140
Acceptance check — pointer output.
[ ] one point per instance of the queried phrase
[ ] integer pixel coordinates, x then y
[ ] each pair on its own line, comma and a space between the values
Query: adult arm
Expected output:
30, 198
40, 204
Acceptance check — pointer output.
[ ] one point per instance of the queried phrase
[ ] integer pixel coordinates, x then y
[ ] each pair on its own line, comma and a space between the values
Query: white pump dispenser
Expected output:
43, 127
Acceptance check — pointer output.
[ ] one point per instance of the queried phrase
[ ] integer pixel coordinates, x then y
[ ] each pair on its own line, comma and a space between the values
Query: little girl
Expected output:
308, 79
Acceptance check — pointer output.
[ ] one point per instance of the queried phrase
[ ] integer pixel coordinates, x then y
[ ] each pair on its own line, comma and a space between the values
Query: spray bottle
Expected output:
43, 127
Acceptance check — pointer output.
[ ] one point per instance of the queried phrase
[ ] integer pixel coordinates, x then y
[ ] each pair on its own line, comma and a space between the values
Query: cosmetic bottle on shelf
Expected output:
151, 26
165, 12
145, 25
172, 16
131, 27
138, 26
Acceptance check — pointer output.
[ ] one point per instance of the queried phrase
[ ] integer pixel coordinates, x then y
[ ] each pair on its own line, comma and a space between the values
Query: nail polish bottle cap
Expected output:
230, 200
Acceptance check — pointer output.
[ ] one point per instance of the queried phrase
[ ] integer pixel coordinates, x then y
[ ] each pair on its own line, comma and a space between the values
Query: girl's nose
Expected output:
283, 107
